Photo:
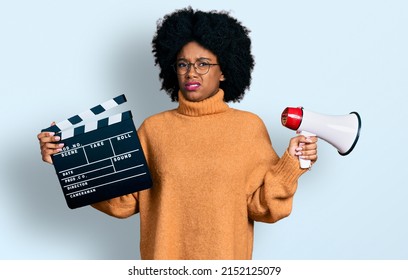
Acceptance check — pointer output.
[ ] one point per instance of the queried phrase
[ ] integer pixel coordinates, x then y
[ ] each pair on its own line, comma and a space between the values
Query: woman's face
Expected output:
197, 87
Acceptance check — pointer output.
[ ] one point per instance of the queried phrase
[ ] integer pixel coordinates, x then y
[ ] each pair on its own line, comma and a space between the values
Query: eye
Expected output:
202, 64
182, 64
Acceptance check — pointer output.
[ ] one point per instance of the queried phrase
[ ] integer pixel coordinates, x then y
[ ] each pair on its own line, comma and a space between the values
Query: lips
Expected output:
191, 86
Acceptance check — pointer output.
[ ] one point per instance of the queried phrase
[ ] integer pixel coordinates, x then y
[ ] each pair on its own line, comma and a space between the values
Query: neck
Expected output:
212, 105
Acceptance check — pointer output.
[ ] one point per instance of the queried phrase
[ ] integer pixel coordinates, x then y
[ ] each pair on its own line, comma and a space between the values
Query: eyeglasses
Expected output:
201, 67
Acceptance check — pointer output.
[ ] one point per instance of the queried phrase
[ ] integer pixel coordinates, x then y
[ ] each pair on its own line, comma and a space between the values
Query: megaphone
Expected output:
342, 132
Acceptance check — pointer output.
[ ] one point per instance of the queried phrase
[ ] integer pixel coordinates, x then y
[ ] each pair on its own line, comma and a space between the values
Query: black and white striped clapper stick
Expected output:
102, 159
105, 106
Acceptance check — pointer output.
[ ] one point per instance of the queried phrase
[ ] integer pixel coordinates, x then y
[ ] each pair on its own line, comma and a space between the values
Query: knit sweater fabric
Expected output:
215, 173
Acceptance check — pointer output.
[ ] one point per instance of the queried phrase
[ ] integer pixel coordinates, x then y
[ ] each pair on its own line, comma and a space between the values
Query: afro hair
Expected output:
216, 31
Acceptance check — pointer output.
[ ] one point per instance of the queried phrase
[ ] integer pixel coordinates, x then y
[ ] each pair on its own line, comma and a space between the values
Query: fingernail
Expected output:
57, 138
298, 153
51, 134
61, 145
59, 150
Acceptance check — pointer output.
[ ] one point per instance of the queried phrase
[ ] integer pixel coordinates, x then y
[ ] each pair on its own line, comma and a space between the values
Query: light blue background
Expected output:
58, 58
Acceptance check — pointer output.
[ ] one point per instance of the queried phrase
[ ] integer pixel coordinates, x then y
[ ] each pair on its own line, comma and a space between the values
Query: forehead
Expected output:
193, 51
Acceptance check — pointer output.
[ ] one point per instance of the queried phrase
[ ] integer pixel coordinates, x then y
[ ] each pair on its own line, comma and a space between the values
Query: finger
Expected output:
49, 149
309, 155
53, 146
45, 152
43, 134
310, 146
309, 139
46, 133
305, 152
48, 138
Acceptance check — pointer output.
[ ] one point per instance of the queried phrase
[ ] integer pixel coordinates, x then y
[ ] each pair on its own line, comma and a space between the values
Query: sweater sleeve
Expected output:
126, 205
273, 182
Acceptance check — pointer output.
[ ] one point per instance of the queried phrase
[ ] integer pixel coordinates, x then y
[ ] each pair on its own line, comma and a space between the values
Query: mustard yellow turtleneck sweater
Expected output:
215, 173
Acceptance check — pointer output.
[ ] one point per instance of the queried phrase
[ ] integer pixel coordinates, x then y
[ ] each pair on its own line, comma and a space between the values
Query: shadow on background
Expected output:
47, 228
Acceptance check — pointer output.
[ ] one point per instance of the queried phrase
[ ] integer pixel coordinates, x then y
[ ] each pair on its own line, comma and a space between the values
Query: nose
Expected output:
191, 69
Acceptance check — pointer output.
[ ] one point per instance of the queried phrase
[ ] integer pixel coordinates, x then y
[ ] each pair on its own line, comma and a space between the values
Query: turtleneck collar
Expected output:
212, 105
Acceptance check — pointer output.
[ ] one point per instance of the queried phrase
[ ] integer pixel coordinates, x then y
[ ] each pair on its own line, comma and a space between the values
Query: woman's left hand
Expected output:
303, 147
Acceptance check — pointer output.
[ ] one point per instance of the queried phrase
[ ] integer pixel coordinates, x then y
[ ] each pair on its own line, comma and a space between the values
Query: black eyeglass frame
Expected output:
208, 65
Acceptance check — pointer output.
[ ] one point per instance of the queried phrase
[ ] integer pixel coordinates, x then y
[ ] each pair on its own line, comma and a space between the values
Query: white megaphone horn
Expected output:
342, 132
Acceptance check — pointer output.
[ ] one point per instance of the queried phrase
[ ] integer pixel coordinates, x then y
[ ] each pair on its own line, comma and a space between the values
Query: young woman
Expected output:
214, 169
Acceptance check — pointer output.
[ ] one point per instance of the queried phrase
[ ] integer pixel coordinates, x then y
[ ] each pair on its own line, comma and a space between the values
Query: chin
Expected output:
193, 96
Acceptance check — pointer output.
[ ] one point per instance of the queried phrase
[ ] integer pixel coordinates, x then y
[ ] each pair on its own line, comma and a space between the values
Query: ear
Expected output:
222, 78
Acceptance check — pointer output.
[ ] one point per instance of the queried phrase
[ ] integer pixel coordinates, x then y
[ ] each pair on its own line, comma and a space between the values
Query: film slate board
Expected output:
100, 160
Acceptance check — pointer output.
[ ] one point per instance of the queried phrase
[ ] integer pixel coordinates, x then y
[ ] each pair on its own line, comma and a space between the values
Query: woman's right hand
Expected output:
49, 145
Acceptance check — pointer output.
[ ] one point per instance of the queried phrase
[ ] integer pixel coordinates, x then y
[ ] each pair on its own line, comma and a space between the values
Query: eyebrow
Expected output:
200, 58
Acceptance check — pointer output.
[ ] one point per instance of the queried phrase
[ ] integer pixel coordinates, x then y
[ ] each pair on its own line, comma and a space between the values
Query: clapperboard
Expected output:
102, 159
